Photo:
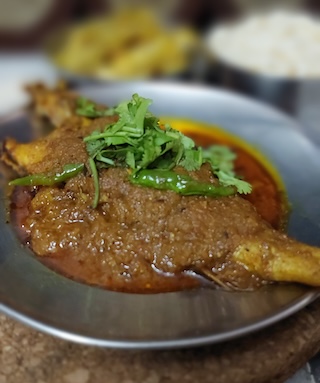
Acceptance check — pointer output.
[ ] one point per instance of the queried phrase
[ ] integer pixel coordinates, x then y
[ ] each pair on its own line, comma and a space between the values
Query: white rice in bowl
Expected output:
281, 43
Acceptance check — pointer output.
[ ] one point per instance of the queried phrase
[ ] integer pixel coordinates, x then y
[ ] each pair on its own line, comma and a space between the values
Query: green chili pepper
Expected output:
182, 184
43, 179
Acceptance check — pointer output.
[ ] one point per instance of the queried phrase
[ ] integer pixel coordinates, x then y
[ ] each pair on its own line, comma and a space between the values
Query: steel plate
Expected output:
39, 297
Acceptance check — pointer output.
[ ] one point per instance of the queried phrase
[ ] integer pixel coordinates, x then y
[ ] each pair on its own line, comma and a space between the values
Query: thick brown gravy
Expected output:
268, 197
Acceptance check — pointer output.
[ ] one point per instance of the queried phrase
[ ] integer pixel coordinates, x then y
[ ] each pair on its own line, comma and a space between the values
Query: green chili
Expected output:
43, 179
182, 184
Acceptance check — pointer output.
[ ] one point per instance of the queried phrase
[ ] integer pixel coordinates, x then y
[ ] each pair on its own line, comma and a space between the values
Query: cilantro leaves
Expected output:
221, 159
138, 141
89, 109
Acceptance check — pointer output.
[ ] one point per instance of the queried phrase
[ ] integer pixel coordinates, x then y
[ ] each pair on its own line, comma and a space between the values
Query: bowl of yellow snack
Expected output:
126, 45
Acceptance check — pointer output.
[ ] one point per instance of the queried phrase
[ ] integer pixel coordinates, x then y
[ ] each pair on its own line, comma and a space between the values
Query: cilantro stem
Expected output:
94, 172
141, 113
94, 137
105, 159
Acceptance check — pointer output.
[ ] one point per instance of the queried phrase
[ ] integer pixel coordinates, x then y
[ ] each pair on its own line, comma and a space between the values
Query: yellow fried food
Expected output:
130, 43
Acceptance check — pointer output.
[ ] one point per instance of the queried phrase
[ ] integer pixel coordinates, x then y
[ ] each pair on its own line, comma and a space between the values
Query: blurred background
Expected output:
266, 49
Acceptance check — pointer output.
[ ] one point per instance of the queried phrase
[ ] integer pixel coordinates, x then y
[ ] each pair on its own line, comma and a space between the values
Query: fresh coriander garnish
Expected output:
89, 109
137, 141
221, 159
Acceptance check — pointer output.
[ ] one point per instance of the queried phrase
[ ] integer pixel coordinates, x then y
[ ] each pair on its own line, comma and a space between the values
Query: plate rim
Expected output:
302, 302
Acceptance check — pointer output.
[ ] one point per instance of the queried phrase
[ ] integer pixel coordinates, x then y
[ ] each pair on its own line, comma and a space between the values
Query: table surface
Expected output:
268, 356
278, 352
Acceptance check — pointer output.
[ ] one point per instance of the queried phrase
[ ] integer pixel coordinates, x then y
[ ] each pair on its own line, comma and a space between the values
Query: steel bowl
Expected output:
298, 97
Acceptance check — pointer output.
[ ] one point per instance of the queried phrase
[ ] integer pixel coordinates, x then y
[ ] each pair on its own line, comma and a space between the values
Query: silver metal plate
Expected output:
39, 297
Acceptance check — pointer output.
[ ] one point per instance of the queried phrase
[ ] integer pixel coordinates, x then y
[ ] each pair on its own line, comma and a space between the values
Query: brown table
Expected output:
268, 356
